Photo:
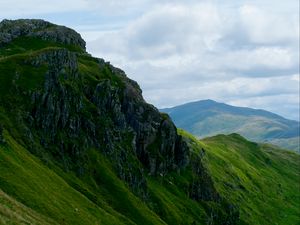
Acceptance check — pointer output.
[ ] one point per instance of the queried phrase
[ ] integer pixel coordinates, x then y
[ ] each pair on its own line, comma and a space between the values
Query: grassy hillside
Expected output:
33, 184
262, 180
71, 128
47, 195
208, 118
13, 212
79, 145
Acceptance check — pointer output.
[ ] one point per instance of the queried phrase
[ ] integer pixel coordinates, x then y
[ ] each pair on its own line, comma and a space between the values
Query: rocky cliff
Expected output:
65, 103
12, 29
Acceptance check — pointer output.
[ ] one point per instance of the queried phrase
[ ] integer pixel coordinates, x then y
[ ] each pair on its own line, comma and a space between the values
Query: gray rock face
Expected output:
158, 146
122, 125
11, 29
51, 111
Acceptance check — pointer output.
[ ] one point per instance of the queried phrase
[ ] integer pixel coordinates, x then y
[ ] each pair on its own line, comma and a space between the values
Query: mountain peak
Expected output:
207, 118
13, 29
206, 101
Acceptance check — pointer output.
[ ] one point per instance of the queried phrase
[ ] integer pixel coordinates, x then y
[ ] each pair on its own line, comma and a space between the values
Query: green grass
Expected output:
43, 194
13, 212
116, 192
172, 203
29, 44
262, 180
36, 186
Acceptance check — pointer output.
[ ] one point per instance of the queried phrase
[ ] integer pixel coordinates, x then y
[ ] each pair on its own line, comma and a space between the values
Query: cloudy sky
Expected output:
241, 52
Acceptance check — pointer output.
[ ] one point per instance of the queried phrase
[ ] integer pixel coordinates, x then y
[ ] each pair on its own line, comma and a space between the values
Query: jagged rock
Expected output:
158, 146
11, 29
57, 108
73, 112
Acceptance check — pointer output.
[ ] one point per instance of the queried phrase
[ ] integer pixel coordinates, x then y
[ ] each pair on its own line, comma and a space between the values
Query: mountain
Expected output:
207, 118
79, 145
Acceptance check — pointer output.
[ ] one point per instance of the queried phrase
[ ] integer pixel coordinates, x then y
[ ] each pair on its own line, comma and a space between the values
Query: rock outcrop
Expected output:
85, 104
12, 29
60, 113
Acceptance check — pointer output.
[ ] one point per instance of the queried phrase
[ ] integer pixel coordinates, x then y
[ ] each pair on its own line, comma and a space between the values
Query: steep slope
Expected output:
12, 211
45, 193
258, 178
79, 145
207, 118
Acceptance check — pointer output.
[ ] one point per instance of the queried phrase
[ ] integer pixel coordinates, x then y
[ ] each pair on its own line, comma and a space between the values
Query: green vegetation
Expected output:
42, 190
30, 44
260, 179
13, 212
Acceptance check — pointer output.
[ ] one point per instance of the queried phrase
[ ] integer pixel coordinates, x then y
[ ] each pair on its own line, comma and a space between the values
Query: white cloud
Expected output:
242, 52
263, 27
182, 52
260, 57
38, 7
19, 8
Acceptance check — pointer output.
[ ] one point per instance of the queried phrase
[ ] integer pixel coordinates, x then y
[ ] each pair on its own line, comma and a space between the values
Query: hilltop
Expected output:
207, 118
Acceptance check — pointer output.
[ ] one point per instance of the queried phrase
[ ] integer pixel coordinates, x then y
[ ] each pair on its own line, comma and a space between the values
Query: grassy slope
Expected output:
262, 180
30, 182
43, 191
254, 128
35, 193
172, 203
13, 212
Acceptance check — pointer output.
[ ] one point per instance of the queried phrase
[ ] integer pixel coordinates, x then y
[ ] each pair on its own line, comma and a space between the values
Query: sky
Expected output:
240, 52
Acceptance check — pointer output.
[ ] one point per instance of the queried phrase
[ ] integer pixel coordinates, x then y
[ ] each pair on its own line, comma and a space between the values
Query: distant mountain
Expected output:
207, 118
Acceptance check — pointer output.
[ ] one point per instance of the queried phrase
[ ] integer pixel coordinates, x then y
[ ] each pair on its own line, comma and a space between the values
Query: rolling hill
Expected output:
258, 178
79, 145
207, 118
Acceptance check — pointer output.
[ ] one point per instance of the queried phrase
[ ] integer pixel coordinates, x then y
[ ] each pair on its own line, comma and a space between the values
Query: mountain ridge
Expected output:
207, 102
208, 117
